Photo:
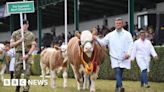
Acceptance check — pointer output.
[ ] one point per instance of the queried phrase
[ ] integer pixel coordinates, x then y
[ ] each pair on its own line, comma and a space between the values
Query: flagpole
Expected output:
22, 34
65, 20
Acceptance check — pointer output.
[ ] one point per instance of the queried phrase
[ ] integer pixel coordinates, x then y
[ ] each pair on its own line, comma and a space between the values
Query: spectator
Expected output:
136, 32
11, 53
47, 39
126, 26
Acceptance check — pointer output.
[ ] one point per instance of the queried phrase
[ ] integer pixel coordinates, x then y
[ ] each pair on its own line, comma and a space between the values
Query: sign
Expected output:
20, 7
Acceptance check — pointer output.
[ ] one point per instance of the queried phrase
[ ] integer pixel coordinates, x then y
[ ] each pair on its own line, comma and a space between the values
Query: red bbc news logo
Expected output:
14, 82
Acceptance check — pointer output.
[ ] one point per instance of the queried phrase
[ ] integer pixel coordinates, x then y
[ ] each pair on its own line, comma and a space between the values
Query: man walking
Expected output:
29, 41
119, 43
142, 49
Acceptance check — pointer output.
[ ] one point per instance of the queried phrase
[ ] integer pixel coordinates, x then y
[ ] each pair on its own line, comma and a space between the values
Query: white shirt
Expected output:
119, 44
142, 51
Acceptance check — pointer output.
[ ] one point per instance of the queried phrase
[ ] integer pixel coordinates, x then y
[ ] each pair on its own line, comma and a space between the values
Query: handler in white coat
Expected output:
142, 50
119, 43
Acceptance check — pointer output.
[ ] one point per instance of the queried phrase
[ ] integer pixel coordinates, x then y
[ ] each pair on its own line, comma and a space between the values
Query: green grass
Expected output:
101, 86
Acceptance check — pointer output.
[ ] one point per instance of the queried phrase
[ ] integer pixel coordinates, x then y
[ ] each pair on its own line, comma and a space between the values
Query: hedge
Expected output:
156, 69
35, 68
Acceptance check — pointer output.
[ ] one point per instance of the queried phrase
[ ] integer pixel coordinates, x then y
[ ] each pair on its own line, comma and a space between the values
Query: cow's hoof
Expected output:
43, 84
78, 89
81, 90
85, 88
92, 90
52, 86
64, 86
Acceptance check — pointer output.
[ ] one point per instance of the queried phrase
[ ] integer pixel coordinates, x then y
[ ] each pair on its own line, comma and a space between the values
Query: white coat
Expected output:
142, 51
11, 53
119, 44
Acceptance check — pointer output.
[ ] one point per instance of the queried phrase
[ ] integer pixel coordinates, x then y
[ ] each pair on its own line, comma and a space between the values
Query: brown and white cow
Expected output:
55, 60
4, 59
85, 57
2, 64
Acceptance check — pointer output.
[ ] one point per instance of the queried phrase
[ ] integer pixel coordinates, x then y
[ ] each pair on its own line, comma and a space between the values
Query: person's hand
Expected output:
126, 56
94, 37
25, 57
156, 58
21, 39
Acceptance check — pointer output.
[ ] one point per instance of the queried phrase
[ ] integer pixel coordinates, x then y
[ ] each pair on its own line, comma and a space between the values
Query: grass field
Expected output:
101, 86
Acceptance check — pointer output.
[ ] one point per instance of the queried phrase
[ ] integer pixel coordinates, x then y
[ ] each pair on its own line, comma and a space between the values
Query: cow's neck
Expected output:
89, 54
87, 58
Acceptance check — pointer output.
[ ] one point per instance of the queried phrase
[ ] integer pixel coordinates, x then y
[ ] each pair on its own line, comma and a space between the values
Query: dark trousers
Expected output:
118, 76
11, 74
144, 79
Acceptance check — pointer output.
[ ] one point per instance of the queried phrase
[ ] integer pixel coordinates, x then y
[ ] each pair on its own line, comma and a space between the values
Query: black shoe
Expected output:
25, 91
142, 85
146, 86
17, 89
120, 90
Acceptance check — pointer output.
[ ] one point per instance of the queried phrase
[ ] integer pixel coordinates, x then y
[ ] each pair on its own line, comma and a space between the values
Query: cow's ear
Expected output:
77, 34
57, 47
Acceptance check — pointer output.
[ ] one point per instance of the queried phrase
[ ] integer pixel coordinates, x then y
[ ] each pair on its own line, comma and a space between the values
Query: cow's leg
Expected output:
47, 71
3, 71
65, 77
93, 78
76, 77
53, 78
43, 68
86, 82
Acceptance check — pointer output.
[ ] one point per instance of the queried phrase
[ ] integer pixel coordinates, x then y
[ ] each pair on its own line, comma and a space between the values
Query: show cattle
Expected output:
56, 60
85, 56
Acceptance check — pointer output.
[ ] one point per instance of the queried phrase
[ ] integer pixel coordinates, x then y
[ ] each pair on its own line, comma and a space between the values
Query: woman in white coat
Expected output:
142, 51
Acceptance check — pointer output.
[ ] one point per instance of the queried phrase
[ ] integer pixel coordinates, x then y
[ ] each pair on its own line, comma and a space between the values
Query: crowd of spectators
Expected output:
50, 39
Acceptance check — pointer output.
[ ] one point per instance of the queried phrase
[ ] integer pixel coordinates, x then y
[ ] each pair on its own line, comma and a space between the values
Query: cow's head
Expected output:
86, 42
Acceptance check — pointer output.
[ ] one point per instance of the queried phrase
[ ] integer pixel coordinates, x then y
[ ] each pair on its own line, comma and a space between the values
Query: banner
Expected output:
3, 11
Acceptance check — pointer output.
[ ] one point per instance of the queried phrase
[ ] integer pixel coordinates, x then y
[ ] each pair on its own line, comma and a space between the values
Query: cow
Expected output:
55, 59
85, 56
4, 59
